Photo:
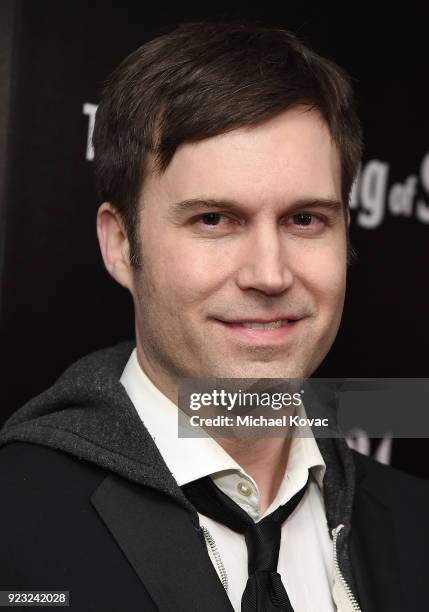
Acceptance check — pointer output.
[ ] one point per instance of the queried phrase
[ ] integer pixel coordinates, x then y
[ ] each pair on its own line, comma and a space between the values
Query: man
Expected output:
225, 155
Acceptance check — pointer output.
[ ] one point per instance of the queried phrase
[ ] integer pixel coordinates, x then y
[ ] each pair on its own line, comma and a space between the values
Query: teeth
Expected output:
273, 325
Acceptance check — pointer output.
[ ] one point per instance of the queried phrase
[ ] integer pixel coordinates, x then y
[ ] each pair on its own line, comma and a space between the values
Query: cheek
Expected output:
190, 272
323, 273
332, 287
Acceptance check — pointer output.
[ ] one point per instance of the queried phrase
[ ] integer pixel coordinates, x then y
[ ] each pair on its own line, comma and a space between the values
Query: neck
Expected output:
264, 459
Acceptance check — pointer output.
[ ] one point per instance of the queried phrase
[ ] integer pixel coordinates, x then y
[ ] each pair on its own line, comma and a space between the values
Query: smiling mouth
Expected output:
263, 326
260, 332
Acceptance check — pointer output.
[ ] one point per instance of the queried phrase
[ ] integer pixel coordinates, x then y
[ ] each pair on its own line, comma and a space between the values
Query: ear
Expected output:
114, 245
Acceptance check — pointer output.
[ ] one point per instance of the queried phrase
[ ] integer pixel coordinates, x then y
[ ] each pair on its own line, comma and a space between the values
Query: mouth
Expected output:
259, 331
261, 324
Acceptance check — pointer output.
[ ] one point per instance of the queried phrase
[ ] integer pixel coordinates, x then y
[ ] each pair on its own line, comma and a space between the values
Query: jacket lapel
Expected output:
162, 544
373, 552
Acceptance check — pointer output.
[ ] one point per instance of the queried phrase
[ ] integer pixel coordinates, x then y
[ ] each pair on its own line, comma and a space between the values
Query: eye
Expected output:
211, 218
214, 222
304, 218
306, 223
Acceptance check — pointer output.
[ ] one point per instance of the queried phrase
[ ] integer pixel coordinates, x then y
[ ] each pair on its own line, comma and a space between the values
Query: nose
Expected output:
264, 263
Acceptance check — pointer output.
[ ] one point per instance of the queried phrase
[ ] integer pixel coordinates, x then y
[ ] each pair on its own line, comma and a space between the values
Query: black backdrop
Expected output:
58, 303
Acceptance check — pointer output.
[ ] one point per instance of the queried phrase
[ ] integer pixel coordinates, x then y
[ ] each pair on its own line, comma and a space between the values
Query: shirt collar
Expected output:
191, 458
187, 458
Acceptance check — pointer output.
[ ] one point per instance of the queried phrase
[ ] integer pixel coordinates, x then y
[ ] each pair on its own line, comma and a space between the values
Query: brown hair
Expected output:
204, 79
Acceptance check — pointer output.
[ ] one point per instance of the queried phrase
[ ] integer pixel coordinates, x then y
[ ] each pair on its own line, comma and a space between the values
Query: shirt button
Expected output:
244, 488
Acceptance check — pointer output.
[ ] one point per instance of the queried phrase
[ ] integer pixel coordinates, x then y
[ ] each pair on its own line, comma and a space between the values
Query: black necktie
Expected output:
264, 590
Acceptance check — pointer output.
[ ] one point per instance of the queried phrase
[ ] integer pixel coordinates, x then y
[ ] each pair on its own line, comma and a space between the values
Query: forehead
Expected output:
291, 155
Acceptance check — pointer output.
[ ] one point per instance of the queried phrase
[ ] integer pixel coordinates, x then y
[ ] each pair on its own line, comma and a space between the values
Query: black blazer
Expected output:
66, 524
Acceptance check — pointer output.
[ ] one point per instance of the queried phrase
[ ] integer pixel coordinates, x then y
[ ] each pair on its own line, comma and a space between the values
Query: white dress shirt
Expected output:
306, 554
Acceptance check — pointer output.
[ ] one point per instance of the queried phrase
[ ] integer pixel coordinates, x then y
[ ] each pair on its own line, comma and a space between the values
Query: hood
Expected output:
88, 414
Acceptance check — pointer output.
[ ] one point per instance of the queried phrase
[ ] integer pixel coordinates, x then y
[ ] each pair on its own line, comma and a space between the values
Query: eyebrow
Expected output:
177, 208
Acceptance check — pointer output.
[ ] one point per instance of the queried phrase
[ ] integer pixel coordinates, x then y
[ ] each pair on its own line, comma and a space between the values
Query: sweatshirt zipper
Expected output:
352, 599
218, 559
335, 532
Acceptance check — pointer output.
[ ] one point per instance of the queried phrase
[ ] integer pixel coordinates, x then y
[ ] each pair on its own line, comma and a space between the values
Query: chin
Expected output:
262, 370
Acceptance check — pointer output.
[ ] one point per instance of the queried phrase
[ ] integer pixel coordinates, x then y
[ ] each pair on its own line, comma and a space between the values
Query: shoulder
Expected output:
25, 462
390, 485
51, 534
46, 518
35, 478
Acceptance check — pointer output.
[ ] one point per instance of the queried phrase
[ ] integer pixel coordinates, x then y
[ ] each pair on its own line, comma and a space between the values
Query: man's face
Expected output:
231, 239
